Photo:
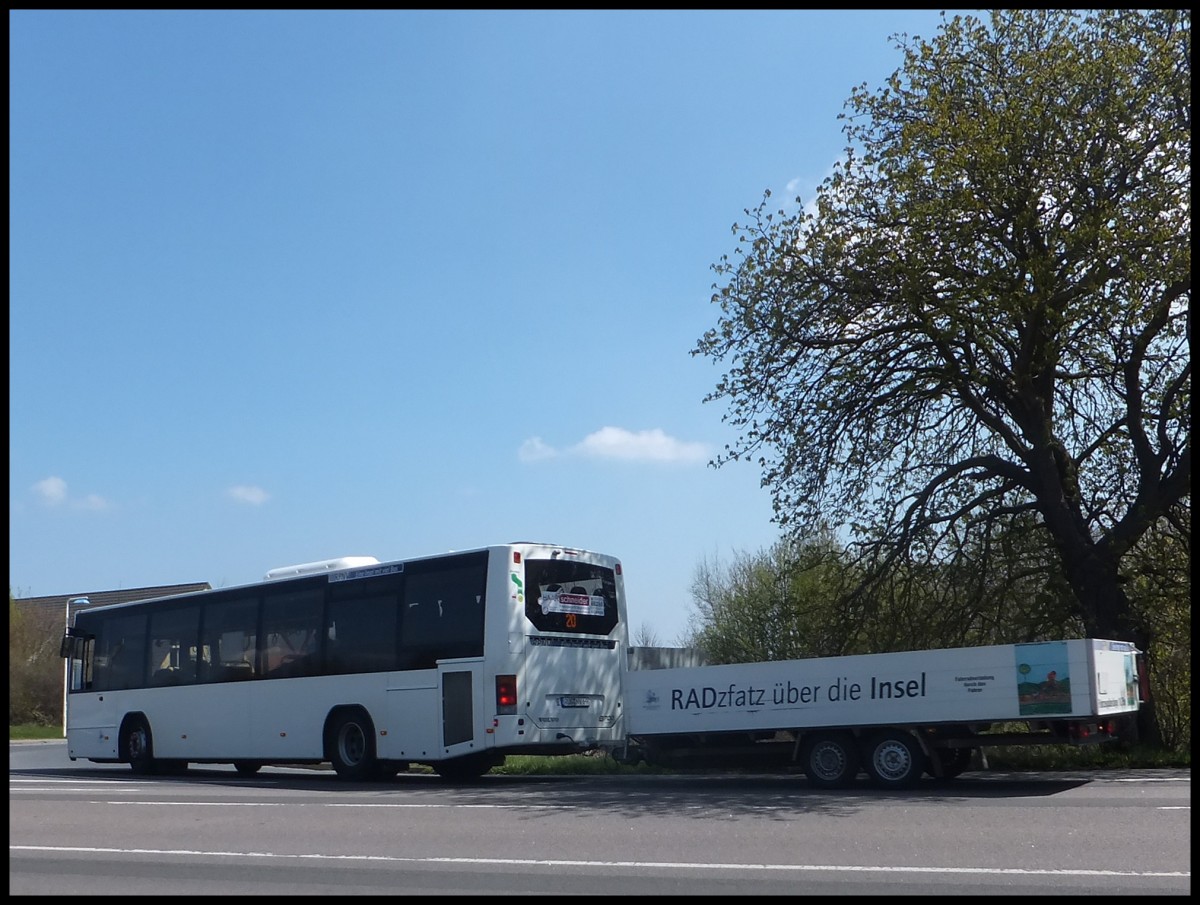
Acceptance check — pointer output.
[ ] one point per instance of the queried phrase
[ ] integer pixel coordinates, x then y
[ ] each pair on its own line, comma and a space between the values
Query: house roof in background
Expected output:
58, 602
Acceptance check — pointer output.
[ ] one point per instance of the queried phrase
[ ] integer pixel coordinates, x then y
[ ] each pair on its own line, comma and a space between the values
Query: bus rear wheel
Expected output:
352, 745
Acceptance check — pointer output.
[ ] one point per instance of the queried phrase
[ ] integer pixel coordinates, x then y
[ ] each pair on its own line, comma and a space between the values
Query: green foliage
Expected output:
972, 350
592, 763
808, 600
34, 731
779, 604
1160, 585
1091, 757
1002, 585
749, 611
35, 670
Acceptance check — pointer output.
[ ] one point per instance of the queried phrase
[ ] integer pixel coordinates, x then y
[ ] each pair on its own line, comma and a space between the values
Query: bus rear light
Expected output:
506, 694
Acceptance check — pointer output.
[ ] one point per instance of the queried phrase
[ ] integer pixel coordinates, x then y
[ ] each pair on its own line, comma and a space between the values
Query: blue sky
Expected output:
287, 286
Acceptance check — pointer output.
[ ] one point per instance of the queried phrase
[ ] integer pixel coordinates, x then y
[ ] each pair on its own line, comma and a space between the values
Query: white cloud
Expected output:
643, 446
244, 493
618, 443
534, 450
53, 491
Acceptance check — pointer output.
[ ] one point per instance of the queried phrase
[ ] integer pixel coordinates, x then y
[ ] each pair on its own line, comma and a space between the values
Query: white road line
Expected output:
682, 865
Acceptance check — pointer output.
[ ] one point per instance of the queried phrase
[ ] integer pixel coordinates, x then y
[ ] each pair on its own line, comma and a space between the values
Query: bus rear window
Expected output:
568, 596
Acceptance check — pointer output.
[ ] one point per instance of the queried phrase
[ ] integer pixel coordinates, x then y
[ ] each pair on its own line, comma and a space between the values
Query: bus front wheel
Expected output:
352, 746
138, 746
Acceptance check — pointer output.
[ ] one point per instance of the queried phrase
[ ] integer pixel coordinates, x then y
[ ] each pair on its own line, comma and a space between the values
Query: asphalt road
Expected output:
88, 829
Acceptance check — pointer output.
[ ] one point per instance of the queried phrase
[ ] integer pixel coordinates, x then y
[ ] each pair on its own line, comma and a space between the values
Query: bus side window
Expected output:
203, 664
79, 662
230, 634
360, 626
123, 649
87, 672
89, 663
291, 628
120, 669
172, 643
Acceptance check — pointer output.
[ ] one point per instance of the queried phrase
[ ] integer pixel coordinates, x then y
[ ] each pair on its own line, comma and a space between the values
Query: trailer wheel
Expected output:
894, 759
830, 760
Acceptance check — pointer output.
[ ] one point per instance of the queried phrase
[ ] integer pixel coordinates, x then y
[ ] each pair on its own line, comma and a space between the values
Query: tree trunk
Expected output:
1106, 613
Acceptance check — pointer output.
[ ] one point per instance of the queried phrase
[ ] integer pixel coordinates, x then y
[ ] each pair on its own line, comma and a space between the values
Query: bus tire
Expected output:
352, 745
137, 745
247, 767
830, 760
894, 759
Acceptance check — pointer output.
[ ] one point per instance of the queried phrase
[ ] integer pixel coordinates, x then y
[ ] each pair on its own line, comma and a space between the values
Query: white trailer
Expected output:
894, 715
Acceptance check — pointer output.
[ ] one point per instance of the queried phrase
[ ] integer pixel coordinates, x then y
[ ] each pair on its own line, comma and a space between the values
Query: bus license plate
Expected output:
575, 701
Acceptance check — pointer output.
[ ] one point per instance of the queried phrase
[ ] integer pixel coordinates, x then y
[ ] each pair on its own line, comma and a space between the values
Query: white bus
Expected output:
452, 661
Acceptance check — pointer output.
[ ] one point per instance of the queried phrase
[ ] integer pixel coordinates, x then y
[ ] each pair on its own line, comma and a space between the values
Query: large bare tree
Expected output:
983, 320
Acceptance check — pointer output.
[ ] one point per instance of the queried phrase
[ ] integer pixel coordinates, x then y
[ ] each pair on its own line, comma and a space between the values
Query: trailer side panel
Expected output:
1048, 680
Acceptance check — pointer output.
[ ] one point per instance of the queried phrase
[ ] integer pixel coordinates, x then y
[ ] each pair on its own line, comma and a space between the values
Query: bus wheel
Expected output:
138, 746
352, 745
247, 767
830, 760
894, 759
